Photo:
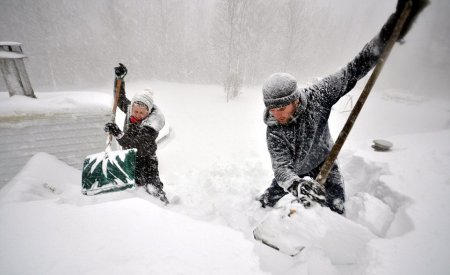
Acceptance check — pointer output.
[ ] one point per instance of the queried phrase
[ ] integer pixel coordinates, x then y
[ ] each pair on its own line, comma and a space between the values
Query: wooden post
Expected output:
13, 69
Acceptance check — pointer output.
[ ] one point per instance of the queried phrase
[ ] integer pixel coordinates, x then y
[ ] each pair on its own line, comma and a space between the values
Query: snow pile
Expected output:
58, 231
216, 163
371, 212
293, 230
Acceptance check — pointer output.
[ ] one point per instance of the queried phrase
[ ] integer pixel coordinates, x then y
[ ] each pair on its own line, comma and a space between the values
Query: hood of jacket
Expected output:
155, 120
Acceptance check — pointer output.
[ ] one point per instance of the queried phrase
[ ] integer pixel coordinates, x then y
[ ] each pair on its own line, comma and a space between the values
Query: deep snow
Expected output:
216, 163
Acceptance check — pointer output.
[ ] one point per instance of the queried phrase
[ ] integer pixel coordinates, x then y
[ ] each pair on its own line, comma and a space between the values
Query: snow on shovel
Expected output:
293, 228
272, 231
110, 171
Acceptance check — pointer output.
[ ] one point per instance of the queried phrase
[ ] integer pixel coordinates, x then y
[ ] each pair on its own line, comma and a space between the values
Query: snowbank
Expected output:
216, 162
112, 234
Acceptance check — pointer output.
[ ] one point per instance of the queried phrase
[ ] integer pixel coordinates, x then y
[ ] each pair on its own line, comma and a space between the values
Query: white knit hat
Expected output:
145, 97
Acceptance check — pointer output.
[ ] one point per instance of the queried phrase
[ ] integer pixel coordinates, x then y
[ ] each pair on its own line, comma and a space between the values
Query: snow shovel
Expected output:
110, 171
269, 230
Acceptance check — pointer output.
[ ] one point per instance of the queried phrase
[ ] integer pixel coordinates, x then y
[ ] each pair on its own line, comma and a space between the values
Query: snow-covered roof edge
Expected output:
9, 43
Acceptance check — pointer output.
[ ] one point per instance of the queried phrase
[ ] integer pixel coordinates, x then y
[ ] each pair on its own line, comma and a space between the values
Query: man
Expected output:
298, 137
143, 122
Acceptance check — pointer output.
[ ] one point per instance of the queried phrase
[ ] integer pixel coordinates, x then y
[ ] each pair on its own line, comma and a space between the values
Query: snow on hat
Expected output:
280, 89
145, 97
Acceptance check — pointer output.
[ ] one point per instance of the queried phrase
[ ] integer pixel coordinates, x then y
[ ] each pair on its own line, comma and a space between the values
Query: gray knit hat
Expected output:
279, 89
145, 97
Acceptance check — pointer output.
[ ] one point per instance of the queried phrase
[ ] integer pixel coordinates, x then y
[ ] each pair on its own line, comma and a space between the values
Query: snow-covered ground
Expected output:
214, 164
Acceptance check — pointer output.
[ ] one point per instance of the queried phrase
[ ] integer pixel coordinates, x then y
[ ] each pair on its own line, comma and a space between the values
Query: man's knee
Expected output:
335, 190
272, 195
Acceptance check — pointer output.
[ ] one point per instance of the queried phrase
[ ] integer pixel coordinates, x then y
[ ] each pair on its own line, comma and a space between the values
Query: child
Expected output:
143, 122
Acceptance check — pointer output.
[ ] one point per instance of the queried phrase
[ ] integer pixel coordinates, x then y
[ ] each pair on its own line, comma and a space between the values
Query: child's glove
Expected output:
120, 71
113, 129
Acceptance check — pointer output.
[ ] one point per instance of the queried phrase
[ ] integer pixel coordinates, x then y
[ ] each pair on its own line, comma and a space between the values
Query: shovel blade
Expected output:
109, 172
276, 231
292, 229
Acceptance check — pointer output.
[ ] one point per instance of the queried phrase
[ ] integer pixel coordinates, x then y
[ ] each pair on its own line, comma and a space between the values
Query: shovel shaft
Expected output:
116, 98
114, 108
326, 167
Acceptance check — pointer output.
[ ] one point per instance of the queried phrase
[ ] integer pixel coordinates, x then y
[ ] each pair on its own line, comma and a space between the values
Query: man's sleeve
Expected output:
282, 159
332, 88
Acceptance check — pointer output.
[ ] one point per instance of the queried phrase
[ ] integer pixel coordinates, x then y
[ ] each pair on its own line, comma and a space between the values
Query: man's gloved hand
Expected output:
308, 190
113, 129
120, 71
293, 189
416, 9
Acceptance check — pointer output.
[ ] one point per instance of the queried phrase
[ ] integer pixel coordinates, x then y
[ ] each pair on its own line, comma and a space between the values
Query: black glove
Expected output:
120, 71
308, 191
113, 129
417, 7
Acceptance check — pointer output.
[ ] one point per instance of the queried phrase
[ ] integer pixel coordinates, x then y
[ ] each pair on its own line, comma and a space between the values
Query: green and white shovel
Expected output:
109, 171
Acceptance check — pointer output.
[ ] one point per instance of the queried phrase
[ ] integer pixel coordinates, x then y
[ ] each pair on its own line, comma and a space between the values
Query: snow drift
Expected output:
216, 162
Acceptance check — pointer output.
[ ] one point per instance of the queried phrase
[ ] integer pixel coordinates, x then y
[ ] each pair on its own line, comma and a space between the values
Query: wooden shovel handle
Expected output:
114, 108
328, 164
116, 98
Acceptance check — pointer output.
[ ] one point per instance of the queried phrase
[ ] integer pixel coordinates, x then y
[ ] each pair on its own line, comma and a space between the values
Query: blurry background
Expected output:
76, 44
